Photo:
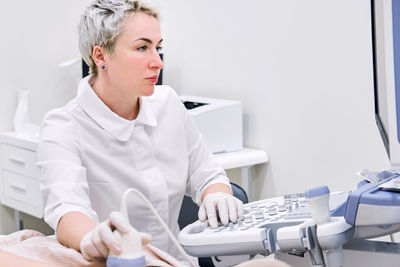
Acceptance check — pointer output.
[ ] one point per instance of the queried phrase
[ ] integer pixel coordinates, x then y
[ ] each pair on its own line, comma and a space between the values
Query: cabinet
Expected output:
19, 179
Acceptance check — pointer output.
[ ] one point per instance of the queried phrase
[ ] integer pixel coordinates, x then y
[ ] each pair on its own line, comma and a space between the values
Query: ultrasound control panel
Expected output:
255, 232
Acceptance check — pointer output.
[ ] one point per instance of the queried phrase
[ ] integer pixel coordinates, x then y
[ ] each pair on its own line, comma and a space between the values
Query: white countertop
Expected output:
242, 158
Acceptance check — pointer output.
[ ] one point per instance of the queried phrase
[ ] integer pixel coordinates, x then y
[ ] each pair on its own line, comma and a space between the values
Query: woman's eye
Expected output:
142, 48
159, 49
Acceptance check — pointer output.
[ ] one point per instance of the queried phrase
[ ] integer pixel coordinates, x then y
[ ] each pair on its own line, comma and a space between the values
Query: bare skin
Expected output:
72, 227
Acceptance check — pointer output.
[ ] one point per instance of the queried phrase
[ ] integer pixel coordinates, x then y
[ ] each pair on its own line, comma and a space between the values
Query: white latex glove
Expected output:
97, 243
229, 208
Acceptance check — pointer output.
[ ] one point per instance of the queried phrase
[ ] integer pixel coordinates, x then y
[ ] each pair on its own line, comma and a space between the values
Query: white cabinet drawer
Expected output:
22, 193
19, 160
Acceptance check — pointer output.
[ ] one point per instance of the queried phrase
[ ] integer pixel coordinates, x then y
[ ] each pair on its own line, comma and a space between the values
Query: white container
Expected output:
21, 113
218, 120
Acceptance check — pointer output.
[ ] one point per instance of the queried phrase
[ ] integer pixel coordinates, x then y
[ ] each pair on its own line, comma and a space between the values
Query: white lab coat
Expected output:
89, 156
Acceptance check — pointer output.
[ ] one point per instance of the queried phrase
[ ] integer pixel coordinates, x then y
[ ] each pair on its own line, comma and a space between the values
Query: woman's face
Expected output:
135, 66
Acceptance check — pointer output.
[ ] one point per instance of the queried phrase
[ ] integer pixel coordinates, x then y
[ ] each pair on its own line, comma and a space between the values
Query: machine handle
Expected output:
17, 160
18, 187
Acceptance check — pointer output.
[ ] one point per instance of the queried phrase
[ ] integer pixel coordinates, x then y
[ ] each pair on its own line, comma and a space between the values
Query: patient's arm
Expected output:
9, 259
72, 227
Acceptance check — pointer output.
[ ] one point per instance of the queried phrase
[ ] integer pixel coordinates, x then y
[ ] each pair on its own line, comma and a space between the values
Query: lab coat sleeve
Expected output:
63, 178
204, 171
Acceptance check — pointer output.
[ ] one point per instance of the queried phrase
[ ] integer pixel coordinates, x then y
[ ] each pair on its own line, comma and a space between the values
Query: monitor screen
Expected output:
385, 21
380, 96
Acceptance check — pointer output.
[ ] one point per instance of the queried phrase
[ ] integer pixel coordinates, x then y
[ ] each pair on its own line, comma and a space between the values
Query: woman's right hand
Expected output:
97, 243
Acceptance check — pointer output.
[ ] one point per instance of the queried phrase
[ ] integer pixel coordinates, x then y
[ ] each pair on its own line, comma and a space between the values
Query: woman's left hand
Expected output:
228, 207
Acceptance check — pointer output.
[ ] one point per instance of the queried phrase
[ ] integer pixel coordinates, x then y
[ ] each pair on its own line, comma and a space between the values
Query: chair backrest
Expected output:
189, 209
239, 193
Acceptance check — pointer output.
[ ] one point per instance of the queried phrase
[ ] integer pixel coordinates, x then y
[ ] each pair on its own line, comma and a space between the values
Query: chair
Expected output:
189, 210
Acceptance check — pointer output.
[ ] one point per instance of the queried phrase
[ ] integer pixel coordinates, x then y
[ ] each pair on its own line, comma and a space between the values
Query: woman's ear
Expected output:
98, 56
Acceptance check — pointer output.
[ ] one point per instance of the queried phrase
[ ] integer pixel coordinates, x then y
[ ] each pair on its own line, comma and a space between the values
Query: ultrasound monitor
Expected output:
386, 59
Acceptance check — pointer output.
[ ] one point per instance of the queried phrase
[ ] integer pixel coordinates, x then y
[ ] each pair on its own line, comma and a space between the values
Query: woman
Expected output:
121, 132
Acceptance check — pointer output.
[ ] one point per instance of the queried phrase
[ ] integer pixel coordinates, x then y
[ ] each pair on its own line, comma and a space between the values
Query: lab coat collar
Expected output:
117, 126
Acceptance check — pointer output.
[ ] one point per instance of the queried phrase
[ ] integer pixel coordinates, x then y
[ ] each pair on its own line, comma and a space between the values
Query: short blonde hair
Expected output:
102, 22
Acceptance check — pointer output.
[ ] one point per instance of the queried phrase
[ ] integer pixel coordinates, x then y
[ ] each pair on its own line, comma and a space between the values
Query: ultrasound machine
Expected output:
317, 222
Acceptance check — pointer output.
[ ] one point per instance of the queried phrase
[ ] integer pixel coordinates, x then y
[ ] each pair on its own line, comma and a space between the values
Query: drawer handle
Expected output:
18, 187
17, 160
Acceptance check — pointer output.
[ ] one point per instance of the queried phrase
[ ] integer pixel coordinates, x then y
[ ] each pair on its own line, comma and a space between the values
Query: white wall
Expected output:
301, 68
35, 37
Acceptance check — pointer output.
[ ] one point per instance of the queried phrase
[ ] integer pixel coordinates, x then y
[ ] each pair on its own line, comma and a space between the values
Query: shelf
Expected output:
242, 158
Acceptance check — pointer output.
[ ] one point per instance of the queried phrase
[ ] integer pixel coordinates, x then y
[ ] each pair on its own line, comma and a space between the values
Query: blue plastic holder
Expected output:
121, 262
370, 193
316, 191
